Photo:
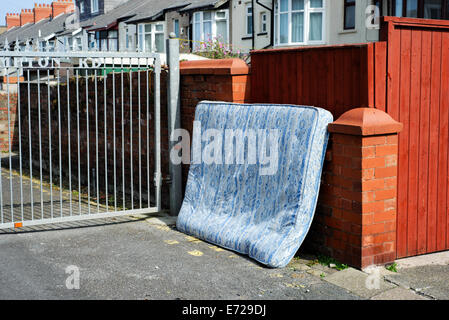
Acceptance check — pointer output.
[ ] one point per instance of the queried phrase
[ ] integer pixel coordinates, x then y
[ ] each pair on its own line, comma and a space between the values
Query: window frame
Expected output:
263, 22
307, 12
347, 4
196, 42
420, 9
141, 37
92, 6
176, 28
249, 16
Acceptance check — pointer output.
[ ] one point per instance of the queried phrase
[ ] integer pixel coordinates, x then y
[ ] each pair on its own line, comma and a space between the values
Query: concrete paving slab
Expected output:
398, 293
359, 283
438, 258
431, 280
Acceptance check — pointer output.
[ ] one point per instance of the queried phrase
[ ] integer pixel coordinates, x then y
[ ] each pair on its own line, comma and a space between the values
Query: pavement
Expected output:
145, 257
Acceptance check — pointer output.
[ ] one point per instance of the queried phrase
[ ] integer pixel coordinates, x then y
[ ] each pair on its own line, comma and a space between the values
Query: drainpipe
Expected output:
271, 23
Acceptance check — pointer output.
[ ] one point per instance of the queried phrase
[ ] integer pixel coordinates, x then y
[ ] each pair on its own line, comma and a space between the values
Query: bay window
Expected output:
426, 9
208, 25
299, 22
151, 37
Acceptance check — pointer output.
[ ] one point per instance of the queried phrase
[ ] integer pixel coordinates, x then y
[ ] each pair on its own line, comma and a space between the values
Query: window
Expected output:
427, 9
349, 14
299, 22
249, 19
151, 37
263, 22
113, 40
176, 27
209, 24
107, 40
94, 6
81, 7
91, 39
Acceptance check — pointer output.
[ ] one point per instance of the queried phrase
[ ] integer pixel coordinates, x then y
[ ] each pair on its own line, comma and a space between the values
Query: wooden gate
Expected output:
418, 96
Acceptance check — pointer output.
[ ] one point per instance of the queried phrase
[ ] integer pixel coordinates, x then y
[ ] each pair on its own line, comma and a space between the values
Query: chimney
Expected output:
12, 20
41, 12
62, 6
26, 16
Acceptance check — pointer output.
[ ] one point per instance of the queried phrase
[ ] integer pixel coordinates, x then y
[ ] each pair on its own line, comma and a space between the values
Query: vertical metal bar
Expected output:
96, 141
174, 121
157, 129
148, 136
78, 135
20, 141
59, 136
114, 140
68, 137
123, 135
30, 146
9, 148
105, 137
88, 142
131, 135
49, 143
140, 145
40, 139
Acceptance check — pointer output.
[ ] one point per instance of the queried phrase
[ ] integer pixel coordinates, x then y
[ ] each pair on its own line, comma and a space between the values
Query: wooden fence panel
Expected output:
336, 78
418, 96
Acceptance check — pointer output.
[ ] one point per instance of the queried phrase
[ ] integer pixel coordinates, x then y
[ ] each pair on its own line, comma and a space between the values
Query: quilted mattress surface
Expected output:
264, 205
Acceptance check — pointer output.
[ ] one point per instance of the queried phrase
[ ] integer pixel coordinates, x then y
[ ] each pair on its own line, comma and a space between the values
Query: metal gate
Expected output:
80, 136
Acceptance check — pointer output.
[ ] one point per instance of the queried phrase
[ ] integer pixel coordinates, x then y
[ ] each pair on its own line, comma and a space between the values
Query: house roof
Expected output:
153, 9
14, 33
108, 20
198, 4
42, 29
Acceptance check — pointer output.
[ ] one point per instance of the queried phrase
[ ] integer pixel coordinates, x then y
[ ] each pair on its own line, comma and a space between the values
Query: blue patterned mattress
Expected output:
256, 195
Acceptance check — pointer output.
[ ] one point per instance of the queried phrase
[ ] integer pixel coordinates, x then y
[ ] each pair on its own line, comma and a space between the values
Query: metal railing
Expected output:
77, 125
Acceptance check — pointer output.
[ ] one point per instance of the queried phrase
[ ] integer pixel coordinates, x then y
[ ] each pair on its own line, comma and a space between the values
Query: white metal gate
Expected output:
83, 136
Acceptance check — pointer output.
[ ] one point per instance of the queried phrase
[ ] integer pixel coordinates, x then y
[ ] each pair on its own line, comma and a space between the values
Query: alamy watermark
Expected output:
372, 21
72, 282
227, 147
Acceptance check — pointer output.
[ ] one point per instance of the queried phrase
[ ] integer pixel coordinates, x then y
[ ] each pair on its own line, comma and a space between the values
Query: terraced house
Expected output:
244, 25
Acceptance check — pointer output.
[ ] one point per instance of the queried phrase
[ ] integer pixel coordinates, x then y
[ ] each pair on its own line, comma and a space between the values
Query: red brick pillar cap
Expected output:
365, 122
215, 66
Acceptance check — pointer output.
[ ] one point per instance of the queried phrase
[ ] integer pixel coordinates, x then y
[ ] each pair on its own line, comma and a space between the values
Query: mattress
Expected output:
254, 177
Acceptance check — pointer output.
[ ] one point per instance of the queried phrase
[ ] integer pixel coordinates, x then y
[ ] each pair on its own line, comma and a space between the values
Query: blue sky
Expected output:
14, 6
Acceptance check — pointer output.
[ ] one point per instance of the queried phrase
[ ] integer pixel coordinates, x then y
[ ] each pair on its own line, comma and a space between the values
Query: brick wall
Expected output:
103, 139
4, 140
213, 80
355, 220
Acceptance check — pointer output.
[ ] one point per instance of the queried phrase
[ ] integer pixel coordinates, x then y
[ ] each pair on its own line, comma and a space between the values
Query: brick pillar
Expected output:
214, 80
360, 188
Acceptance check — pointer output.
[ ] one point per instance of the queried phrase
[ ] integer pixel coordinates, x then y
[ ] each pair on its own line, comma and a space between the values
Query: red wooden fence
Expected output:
337, 78
418, 96
407, 75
